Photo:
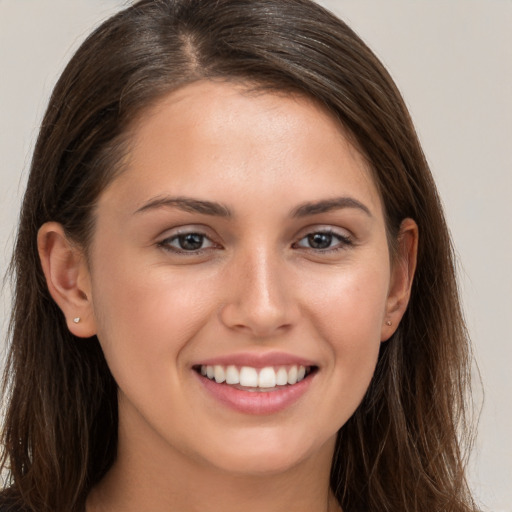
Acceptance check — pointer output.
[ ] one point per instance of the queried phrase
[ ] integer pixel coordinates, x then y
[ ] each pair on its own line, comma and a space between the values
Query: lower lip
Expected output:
256, 402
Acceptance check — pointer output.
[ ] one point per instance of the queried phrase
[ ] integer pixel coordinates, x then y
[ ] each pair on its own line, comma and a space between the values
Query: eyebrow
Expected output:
219, 210
186, 204
327, 205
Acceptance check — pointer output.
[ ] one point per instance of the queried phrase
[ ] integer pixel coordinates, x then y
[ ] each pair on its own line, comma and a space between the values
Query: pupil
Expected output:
191, 242
320, 240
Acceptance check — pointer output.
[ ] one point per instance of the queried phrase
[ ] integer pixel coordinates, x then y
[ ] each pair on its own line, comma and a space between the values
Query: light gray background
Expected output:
452, 59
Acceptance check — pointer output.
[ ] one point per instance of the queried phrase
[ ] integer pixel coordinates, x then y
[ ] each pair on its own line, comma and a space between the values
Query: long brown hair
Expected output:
402, 449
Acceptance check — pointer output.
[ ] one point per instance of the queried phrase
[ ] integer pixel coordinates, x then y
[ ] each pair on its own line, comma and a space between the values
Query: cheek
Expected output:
145, 314
348, 316
350, 306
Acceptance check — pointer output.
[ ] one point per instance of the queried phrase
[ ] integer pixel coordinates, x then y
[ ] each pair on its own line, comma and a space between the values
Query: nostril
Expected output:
257, 320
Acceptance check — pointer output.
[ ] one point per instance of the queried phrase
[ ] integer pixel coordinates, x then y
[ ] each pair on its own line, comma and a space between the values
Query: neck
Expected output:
153, 476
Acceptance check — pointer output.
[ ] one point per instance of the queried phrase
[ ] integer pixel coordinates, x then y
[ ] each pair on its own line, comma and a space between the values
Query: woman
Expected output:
234, 282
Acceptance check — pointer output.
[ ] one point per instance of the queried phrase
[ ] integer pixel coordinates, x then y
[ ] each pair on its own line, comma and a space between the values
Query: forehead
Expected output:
256, 141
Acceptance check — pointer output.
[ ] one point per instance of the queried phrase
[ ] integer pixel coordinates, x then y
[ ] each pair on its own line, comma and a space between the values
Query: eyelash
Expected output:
343, 242
166, 243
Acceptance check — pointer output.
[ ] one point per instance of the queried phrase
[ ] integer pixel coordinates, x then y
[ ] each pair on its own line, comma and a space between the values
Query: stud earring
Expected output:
389, 323
76, 320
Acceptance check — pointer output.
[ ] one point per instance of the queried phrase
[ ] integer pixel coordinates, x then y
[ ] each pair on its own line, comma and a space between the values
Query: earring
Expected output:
76, 320
389, 323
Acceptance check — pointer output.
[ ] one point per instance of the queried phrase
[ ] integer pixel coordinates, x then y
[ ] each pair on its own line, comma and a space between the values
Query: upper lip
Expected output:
256, 360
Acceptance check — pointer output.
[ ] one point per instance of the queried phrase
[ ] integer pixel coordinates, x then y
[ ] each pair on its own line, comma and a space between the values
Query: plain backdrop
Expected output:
452, 60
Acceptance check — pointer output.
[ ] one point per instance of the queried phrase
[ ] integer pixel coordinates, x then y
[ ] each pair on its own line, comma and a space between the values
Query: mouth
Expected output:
252, 379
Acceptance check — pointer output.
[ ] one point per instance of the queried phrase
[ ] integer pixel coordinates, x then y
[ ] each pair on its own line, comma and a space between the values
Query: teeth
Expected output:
282, 377
247, 376
232, 375
267, 378
219, 374
292, 375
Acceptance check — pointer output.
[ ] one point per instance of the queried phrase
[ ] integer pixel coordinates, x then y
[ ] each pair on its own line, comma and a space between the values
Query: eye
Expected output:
187, 242
324, 241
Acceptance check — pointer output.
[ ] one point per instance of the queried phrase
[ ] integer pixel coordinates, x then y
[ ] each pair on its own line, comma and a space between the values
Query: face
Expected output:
245, 241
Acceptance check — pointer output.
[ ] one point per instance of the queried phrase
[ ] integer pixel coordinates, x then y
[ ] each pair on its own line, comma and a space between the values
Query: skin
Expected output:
255, 286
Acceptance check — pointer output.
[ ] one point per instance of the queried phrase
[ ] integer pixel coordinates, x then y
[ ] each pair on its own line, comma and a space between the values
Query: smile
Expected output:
256, 384
256, 379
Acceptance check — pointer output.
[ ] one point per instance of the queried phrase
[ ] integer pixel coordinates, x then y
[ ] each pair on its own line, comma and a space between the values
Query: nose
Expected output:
260, 299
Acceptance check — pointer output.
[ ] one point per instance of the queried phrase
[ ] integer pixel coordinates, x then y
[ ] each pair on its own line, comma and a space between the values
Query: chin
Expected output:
268, 454
259, 465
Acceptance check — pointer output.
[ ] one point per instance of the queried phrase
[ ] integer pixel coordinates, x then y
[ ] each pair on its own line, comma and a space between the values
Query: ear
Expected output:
67, 277
402, 274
